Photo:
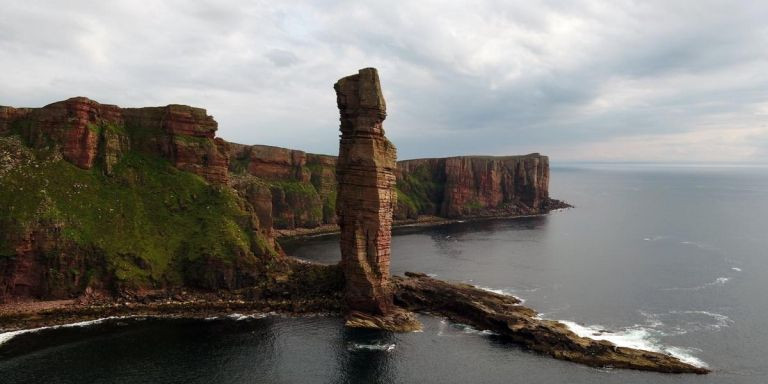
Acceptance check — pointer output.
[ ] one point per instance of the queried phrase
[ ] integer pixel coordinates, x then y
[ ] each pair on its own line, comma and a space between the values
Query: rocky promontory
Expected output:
502, 314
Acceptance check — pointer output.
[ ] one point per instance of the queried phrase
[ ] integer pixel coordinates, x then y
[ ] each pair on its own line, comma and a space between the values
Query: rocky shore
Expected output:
306, 289
502, 314
460, 303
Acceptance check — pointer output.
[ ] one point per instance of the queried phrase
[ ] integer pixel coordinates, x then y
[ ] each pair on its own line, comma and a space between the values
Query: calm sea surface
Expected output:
667, 258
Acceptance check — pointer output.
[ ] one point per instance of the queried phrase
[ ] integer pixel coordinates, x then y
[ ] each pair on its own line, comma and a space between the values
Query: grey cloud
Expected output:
465, 77
281, 57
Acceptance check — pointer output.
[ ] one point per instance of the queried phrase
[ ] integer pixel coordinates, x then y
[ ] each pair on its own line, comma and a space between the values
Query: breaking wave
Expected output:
385, 347
7, 336
635, 337
720, 281
506, 292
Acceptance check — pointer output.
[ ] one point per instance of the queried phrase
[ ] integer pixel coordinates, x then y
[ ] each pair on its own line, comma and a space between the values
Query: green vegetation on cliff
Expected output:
148, 224
420, 192
295, 201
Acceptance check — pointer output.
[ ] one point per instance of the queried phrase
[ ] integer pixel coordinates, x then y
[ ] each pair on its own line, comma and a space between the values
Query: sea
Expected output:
670, 258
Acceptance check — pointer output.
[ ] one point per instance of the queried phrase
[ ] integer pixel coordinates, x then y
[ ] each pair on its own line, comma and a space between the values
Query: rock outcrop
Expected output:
88, 133
184, 135
504, 315
366, 202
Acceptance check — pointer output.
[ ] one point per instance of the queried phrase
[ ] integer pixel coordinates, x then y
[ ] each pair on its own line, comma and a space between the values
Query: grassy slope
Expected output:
147, 220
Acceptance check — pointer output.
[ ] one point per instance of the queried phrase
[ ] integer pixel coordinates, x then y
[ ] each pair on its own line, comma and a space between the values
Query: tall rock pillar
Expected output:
365, 203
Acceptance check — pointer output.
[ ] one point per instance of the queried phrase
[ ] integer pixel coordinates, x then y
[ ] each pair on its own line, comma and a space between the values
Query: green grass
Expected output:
302, 198
474, 206
420, 190
145, 221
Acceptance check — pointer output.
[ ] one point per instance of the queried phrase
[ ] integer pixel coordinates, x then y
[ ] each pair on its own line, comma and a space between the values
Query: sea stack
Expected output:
365, 204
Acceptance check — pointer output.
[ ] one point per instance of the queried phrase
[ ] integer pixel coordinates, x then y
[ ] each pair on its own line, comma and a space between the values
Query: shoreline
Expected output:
24, 315
422, 221
481, 309
75, 313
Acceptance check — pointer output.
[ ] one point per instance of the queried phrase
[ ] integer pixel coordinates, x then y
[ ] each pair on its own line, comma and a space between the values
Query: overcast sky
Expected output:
577, 80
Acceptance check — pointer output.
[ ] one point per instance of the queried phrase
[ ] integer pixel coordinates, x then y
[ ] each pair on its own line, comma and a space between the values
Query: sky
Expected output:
578, 80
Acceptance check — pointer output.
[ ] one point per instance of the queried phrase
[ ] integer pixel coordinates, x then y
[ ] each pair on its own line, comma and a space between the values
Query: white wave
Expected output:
656, 238
496, 291
241, 317
464, 328
7, 336
468, 329
634, 337
675, 323
720, 281
719, 320
386, 347
686, 356
504, 292
702, 246
737, 269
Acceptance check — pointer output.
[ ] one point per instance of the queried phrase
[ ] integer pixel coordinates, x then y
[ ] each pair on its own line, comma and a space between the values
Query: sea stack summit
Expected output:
365, 203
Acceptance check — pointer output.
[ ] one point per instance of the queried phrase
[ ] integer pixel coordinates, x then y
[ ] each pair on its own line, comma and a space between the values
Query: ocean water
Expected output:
669, 258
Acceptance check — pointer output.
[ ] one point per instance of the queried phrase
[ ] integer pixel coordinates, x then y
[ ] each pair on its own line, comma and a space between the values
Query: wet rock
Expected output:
502, 314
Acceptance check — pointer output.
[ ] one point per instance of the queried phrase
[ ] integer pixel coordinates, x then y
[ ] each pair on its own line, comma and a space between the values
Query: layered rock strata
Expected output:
366, 202
88, 133
303, 185
94, 196
474, 186
504, 315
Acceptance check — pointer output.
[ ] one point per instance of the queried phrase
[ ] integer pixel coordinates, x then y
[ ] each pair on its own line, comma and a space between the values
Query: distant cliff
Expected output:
302, 186
94, 195
474, 186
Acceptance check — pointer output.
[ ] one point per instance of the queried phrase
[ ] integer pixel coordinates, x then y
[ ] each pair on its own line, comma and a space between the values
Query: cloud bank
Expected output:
578, 80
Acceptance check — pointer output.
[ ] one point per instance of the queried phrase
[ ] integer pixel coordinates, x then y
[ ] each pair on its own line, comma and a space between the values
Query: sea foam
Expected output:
7, 336
634, 337
385, 347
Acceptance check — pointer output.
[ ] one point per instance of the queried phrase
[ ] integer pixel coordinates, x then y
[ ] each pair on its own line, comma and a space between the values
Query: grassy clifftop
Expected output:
148, 224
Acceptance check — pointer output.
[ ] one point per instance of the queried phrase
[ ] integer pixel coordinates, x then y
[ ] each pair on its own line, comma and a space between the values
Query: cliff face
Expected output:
87, 133
92, 195
97, 195
303, 185
473, 186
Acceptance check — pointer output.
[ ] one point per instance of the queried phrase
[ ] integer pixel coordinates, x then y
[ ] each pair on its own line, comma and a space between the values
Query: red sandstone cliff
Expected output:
280, 188
56, 222
474, 186
88, 133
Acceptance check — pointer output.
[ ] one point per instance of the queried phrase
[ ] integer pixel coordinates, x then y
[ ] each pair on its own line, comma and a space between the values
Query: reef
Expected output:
502, 314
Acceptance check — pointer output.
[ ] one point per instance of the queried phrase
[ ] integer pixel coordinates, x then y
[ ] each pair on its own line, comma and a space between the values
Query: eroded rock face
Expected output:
182, 134
75, 126
88, 133
366, 195
474, 186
